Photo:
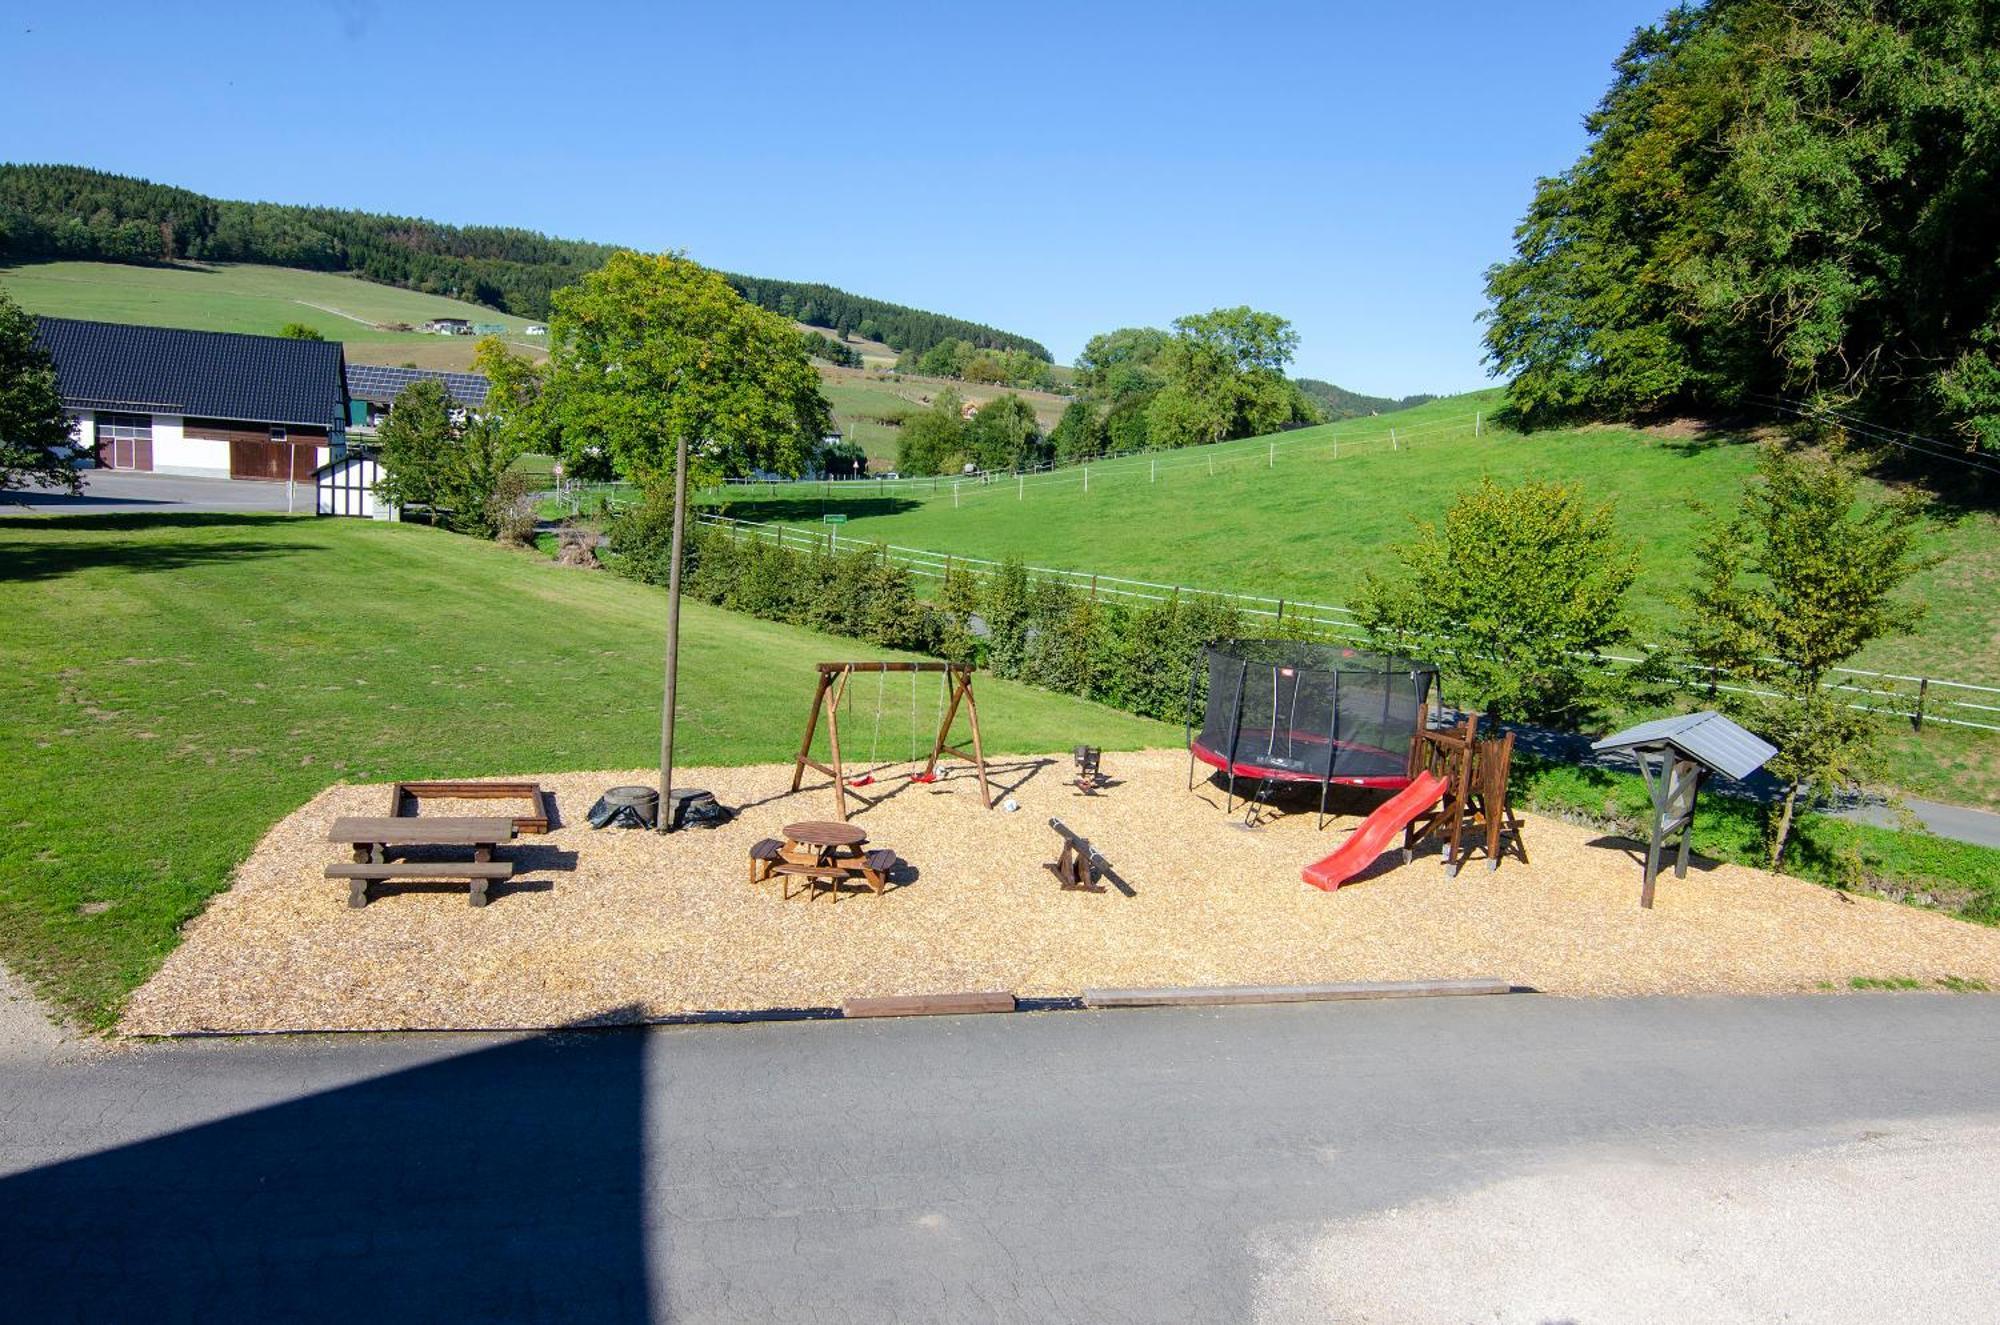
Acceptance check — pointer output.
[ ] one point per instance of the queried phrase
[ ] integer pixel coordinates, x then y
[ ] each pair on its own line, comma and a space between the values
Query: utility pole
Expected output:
666, 814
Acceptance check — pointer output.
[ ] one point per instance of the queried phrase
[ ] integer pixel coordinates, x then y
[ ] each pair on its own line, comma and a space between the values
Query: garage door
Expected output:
267, 460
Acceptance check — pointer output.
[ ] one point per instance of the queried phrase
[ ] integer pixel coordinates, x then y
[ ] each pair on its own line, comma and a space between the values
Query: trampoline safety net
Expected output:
1287, 710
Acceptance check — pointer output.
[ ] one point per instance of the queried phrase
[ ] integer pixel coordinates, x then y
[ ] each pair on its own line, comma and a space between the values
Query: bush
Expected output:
512, 510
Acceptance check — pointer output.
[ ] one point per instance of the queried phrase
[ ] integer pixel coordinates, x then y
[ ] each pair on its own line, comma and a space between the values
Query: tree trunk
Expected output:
1784, 825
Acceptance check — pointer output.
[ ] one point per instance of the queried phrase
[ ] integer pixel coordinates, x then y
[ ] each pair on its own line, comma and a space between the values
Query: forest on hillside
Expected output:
52, 212
1337, 402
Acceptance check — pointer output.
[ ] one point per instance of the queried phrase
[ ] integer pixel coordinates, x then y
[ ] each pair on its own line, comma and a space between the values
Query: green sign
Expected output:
833, 519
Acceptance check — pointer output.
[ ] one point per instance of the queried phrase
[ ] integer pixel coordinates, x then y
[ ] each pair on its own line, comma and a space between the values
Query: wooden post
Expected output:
1020, 487
1923, 688
1093, 588
1392, 440
1086, 478
1152, 471
666, 810
1271, 458
1476, 416
954, 496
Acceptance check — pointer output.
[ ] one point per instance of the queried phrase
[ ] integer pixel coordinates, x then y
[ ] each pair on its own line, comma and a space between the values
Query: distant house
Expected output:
534, 329
214, 404
449, 326
372, 388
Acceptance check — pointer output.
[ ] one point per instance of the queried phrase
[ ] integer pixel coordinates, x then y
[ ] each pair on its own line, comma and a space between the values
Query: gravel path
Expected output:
621, 926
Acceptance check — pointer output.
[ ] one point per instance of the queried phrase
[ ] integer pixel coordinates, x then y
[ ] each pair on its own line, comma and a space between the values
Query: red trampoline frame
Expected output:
1249, 768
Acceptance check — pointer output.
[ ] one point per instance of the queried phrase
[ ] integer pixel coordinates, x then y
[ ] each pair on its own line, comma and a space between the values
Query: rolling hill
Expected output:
1302, 514
52, 212
258, 299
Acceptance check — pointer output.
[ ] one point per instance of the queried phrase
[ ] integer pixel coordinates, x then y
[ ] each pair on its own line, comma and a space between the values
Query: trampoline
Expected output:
1285, 711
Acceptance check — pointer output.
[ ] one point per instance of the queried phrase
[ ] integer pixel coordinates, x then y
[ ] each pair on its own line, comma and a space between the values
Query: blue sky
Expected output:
1055, 170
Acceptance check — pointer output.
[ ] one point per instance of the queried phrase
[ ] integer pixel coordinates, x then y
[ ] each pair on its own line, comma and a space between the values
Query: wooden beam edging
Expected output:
1220, 995
929, 1005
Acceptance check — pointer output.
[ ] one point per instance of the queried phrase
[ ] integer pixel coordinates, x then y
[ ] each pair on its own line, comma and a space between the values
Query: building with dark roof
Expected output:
209, 403
373, 388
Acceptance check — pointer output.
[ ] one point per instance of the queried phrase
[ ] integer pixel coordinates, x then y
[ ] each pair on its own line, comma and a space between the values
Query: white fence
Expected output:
1919, 699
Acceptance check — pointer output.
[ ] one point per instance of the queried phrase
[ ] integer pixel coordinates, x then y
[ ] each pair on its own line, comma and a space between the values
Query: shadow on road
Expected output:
506, 1183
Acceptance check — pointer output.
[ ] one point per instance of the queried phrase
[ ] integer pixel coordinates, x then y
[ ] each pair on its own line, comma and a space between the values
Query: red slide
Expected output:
1369, 840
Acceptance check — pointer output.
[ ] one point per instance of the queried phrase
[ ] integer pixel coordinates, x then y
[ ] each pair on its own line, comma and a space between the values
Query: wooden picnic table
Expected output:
372, 836
827, 850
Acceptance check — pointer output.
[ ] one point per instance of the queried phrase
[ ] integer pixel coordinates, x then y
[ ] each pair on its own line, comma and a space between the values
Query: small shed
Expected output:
1672, 753
347, 487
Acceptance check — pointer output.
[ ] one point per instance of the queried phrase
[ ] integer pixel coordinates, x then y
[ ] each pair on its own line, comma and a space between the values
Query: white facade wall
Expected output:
174, 452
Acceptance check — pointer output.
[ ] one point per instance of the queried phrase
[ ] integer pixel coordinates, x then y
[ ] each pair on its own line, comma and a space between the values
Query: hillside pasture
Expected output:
174, 686
1302, 515
259, 300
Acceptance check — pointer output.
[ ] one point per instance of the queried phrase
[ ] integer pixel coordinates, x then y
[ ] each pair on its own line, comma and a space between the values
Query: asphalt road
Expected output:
110, 492
1520, 1158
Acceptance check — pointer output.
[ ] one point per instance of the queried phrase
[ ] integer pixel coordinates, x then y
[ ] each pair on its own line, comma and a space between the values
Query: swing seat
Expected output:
923, 777
865, 780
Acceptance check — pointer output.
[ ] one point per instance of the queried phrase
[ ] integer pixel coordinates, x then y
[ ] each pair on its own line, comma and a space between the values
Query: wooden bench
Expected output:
360, 874
872, 869
373, 836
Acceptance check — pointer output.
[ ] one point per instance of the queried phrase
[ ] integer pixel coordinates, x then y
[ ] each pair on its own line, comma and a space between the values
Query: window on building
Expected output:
124, 427
277, 434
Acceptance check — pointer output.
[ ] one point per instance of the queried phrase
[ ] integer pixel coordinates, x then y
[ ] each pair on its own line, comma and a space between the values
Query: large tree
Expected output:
648, 351
35, 434
1780, 199
1792, 585
1224, 375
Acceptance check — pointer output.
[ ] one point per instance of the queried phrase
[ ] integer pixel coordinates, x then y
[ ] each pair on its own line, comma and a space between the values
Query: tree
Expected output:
35, 434
1121, 363
1778, 199
299, 331
1520, 590
1005, 435
434, 456
932, 441
415, 441
1224, 377
514, 396
1801, 578
1079, 434
648, 351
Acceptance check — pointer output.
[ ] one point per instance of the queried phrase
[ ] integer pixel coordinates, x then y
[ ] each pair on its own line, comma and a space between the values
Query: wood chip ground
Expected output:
611, 926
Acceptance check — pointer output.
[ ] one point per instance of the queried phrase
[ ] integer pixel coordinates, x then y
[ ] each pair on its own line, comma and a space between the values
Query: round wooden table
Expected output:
827, 838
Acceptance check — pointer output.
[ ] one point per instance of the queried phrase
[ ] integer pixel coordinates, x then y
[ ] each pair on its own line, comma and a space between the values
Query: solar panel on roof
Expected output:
382, 383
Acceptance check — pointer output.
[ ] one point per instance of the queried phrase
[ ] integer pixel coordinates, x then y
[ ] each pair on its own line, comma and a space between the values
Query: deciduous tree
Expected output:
650, 350
1799, 579
1518, 592
35, 433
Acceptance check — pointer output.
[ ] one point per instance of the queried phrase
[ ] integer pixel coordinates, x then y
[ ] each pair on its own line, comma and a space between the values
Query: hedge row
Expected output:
1141, 658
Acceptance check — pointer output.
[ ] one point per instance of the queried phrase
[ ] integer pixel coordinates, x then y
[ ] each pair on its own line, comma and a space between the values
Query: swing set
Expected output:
835, 678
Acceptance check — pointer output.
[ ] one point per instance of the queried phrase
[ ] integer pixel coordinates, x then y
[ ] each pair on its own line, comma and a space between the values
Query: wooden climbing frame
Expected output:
1475, 771
833, 681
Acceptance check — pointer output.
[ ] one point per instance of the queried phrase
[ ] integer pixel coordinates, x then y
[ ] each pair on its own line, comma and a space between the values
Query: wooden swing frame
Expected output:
833, 681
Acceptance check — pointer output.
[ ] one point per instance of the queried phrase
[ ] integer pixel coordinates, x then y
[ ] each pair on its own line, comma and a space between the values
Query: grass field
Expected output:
1305, 523
257, 299
175, 685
